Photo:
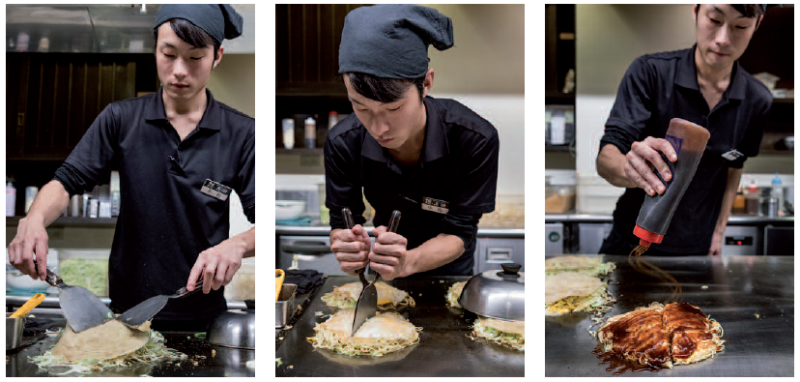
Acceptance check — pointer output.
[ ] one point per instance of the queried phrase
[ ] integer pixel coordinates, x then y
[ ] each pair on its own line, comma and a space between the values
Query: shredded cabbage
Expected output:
453, 293
152, 352
511, 340
598, 302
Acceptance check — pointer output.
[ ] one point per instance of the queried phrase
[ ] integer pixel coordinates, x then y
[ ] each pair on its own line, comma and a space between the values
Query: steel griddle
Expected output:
444, 350
739, 288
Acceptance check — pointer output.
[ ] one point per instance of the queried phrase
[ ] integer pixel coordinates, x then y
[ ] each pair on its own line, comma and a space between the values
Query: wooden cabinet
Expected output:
307, 48
52, 99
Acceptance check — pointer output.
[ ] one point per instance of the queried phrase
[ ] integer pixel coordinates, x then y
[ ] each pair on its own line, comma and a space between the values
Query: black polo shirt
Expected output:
662, 86
165, 221
458, 165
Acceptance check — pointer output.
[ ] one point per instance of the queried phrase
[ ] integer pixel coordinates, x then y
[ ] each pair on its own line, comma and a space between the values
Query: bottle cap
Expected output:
646, 237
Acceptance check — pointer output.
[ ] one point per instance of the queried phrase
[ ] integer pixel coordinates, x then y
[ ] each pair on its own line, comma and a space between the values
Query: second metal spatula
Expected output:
147, 309
367, 304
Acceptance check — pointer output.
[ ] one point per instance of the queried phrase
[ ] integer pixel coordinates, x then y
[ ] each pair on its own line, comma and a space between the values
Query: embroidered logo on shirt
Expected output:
217, 190
435, 205
732, 155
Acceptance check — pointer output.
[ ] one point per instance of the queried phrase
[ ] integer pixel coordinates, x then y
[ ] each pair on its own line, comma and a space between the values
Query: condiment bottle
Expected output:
11, 199
751, 199
689, 141
333, 119
311, 132
775, 198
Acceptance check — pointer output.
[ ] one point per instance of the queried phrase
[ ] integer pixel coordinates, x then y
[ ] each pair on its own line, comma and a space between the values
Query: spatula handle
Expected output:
51, 278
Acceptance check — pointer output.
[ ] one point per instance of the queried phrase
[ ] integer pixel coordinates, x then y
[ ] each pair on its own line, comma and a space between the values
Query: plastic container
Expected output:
17, 282
243, 285
11, 199
116, 195
30, 196
311, 132
689, 141
288, 133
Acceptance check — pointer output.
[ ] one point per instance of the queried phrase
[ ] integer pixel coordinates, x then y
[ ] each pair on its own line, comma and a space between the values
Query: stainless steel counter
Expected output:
500, 233
603, 218
14, 301
444, 350
752, 297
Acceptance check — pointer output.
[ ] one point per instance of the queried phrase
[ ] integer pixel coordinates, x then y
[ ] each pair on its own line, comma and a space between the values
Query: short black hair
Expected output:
191, 34
747, 10
382, 89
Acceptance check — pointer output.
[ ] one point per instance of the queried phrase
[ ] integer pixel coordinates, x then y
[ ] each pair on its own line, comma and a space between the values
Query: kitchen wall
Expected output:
608, 38
233, 82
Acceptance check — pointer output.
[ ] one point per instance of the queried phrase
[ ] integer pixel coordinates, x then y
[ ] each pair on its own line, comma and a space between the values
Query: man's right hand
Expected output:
31, 238
351, 248
646, 156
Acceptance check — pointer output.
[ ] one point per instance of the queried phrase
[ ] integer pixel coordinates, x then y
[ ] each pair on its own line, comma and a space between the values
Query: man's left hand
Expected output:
388, 255
218, 264
716, 244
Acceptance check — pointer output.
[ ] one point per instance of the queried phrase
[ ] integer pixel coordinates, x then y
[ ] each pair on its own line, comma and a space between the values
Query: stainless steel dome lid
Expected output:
235, 329
496, 294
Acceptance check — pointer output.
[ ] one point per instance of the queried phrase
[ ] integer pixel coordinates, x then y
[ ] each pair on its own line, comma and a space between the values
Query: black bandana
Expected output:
220, 21
391, 41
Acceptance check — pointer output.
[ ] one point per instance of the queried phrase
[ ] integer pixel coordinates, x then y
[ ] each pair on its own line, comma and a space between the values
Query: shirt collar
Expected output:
434, 147
687, 76
211, 120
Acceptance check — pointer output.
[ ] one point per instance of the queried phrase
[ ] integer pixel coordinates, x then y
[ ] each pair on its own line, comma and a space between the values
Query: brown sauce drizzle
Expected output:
618, 364
643, 266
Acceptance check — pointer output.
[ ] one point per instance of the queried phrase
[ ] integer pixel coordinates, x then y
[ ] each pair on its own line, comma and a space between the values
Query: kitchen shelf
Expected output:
71, 222
783, 100
558, 98
552, 148
299, 151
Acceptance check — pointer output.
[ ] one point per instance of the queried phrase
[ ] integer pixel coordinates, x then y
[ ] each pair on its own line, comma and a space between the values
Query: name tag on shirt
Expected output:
217, 190
732, 155
435, 205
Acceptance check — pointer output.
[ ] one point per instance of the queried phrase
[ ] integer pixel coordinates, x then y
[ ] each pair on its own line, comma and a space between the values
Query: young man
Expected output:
435, 160
171, 149
704, 85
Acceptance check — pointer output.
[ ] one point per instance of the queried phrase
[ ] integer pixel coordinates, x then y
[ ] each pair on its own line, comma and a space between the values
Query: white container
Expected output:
11, 199
288, 133
16, 281
94, 208
311, 132
105, 210
30, 196
243, 284
289, 209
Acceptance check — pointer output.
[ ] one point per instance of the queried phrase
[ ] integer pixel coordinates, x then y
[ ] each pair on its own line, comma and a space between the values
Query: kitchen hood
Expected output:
119, 28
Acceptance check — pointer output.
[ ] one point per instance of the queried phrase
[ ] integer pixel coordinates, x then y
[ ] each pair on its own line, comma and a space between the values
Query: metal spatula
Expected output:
82, 308
367, 304
147, 309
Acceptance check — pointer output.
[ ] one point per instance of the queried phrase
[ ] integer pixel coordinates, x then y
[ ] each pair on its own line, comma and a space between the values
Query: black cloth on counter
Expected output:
306, 279
35, 325
662, 86
458, 165
391, 41
165, 220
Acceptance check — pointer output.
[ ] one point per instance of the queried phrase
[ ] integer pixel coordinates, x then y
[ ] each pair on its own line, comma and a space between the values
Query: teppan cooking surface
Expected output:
752, 297
222, 362
444, 349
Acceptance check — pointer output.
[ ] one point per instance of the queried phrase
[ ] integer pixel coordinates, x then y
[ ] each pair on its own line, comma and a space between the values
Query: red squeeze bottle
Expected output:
689, 141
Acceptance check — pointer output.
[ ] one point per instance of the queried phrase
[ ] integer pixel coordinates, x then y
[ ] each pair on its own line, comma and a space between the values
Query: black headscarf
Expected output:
391, 41
220, 21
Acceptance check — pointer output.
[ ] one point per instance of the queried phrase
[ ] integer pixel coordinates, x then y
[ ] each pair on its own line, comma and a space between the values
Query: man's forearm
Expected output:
49, 204
432, 254
248, 238
611, 166
732, 184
